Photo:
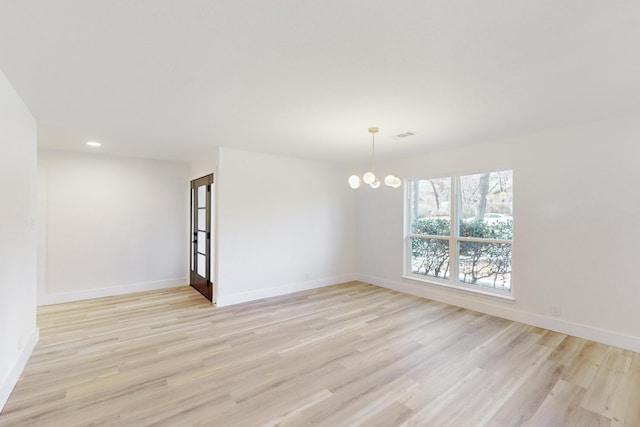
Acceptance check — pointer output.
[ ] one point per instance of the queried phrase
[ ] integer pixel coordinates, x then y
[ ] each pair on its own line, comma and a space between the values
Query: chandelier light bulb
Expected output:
369, 178
354, 181
392, 181
375, 184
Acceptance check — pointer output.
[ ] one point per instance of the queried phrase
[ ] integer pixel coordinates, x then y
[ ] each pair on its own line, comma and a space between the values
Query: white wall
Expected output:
577, 228
113, 224
284, 224
18, 332
205, 164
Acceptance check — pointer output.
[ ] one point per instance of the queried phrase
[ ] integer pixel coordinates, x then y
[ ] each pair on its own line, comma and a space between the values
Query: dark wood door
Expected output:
201, 238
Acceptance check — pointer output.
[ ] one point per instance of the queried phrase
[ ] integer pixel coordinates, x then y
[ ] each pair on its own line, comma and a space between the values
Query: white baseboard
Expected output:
14, 374
240, 297
506, 310
62, 297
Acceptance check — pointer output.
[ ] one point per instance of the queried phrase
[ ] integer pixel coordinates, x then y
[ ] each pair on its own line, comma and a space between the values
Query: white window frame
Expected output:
454, 239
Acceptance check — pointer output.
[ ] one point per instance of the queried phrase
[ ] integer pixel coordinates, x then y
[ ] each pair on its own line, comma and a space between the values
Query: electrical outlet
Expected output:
308, 275
556, 310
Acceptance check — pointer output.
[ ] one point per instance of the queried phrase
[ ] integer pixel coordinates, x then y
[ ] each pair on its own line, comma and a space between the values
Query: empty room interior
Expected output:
333, 213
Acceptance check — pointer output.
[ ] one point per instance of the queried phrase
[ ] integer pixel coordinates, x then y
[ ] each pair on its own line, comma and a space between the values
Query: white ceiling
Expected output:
172, 78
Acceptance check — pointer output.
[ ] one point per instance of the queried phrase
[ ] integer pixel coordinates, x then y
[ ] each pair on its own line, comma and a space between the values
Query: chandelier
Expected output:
370, 177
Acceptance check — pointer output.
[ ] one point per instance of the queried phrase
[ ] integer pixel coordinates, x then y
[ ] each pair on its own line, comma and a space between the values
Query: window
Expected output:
460, 230
431, 227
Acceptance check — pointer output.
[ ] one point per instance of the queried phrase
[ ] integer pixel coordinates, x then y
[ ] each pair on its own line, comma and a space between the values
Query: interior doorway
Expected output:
201, 254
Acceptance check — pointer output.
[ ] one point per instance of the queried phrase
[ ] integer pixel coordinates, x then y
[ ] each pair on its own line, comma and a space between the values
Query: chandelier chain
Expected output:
373, 152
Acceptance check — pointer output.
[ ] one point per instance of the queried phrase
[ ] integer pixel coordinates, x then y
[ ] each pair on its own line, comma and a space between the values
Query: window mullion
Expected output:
483, 240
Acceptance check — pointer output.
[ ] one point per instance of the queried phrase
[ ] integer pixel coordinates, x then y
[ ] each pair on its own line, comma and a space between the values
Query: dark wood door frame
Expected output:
200, 276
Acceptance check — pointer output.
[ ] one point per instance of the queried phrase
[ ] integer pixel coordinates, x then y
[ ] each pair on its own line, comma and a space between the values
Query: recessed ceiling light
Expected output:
93, 144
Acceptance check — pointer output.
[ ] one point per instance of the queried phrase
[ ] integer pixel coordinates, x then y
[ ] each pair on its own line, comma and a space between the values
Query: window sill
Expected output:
496, 295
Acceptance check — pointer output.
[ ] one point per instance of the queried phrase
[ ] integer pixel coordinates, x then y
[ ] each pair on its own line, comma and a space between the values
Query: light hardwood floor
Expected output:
351, 354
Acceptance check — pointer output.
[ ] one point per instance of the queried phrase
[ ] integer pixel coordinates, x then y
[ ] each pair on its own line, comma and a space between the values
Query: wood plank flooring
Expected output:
345, 355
